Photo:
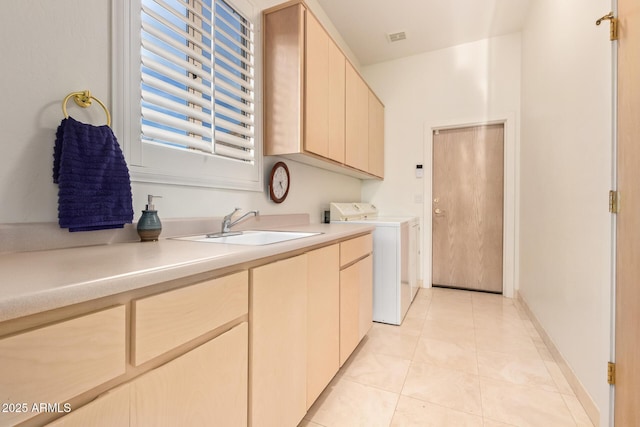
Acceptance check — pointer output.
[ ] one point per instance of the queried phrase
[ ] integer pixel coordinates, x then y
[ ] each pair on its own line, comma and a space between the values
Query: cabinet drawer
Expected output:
55, 363
207, 386
168, 320
108, 410
354, 249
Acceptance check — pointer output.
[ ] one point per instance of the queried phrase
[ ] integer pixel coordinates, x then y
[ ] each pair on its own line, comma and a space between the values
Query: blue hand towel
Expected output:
94, 188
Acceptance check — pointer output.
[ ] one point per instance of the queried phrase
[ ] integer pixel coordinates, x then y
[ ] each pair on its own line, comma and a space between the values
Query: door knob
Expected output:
437, 211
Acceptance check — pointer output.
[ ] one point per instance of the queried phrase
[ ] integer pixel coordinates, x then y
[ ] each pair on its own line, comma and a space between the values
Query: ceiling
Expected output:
428, 24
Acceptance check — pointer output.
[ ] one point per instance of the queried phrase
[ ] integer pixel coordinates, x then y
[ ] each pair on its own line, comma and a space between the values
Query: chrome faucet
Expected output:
227, 224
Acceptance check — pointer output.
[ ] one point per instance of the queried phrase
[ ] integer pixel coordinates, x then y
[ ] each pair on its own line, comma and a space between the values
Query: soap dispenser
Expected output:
149, 225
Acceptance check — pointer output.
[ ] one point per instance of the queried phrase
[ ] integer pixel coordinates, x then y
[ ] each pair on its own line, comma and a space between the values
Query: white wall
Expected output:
565, 228
66, 49
466, 83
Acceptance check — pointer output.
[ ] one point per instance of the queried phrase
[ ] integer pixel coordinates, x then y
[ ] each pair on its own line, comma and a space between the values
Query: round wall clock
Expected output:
279, 182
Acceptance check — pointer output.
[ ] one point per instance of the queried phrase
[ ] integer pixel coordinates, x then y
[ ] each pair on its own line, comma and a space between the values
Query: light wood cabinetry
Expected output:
349, 311
312, 95
364, 146
170, 319
254, 348
354, 249
323, 319
365, 296
54, 363
206, 386
376, 136
357, 121
109, 410
278, 317
337, 117
199, 334
356, 293
324, 93
316, 89
283, 55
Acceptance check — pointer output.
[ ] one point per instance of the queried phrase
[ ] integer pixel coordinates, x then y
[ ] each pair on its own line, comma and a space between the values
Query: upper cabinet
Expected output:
376, 136
357, 116
324, 94
317, 108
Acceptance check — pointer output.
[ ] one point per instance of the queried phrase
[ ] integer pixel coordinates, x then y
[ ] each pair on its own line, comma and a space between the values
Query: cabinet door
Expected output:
316, 132
283, 80
376, 136
323, 319
349, 311
167, 320
337, 63
324, 125
357, 120
108, 410
206, 386
365, 296
59, 361
278, 313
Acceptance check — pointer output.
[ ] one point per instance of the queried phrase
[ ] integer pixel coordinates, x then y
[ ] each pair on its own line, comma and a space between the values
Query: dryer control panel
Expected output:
352, 211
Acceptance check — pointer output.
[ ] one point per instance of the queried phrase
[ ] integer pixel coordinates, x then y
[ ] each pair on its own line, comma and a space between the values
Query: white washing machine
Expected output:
395, 258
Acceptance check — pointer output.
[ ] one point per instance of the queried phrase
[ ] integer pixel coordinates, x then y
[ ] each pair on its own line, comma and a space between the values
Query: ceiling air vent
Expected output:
396, 37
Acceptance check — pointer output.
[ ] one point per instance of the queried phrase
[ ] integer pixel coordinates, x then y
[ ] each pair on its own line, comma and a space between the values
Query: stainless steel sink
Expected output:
252, 237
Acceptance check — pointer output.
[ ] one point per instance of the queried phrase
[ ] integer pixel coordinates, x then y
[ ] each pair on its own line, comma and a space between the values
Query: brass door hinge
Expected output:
611, 373
613, 201
613, 25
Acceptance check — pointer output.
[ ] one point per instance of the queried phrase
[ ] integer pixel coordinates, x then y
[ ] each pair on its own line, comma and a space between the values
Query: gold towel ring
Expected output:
83, 99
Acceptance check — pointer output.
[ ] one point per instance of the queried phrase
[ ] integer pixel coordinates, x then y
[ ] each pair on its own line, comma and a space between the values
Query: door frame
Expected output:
510, 264
614, 223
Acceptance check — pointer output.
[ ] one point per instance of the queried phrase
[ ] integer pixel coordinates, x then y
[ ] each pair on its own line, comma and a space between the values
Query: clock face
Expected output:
279, 184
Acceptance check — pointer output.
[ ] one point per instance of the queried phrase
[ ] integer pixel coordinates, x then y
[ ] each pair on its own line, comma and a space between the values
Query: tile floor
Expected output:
459, 359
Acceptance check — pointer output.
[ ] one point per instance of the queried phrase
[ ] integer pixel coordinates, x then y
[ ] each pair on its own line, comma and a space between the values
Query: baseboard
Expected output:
581, 393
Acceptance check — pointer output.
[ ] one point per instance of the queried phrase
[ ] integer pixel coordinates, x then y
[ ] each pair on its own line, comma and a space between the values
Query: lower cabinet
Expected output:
323, 319
206, 386
356, 293
306, 315
365, 296
349, 311
54, 363
109, 410
278, 317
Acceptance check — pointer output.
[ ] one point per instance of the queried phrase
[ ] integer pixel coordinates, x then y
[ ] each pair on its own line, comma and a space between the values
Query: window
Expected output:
190, 93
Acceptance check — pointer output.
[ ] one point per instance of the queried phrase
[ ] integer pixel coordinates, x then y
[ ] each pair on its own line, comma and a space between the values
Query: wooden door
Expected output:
627, 335
468, 207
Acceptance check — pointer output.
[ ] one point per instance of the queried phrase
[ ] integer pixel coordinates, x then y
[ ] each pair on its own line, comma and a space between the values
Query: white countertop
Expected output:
34, 282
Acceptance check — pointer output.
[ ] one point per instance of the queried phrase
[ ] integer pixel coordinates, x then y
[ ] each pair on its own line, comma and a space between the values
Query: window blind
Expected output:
197, 77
